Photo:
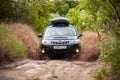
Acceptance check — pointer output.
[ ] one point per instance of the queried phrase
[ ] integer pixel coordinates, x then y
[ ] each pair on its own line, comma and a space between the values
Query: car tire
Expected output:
44, 57
70, 57
76, 56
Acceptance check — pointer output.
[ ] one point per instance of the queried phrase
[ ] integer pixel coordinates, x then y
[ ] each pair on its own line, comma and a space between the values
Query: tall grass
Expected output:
89, 46
28, 37
10, 46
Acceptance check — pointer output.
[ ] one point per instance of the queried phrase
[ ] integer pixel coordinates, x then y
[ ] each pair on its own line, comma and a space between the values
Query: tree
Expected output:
97, 14
5, 9
35, 13
62, 6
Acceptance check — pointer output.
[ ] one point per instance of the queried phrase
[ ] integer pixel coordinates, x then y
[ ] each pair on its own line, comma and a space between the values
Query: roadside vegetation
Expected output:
28, 37
102, 17
89, 46
10, 46
110, 54
101, 74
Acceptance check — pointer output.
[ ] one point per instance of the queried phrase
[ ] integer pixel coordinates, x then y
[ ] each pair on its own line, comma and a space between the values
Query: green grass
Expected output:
10, 46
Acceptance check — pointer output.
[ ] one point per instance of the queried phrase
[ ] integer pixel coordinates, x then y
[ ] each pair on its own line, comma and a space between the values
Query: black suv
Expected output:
60, 38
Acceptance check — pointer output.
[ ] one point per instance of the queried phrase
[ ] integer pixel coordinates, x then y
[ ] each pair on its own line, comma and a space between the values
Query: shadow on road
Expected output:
58, 57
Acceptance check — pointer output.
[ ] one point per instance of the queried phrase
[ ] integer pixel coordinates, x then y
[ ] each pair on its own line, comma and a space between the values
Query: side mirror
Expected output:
80, 35
39, 35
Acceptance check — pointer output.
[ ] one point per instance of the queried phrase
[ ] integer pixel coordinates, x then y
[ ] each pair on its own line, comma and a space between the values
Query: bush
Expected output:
110, 53
10, 46
101, 74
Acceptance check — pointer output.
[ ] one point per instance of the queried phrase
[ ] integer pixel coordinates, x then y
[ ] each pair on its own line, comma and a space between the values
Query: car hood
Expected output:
60, 38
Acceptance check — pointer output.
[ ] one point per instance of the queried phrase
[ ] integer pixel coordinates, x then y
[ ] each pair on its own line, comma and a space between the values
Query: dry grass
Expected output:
26, 34
89, 46
10, 46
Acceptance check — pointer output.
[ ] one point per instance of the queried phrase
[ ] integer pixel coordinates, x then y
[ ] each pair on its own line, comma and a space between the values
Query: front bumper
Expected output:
70, 49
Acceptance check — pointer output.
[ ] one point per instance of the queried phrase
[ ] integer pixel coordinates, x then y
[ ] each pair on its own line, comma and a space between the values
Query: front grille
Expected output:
60, 42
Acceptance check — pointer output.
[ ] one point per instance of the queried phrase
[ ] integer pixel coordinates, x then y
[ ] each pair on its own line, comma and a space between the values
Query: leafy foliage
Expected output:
110, 52
61, 7
5, 9
101, 15
32, 12
90, 14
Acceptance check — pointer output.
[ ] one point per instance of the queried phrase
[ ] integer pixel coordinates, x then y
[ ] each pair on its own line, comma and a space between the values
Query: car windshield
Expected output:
60, 31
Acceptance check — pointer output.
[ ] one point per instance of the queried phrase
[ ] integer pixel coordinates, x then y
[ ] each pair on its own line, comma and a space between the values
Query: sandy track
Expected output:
48, 70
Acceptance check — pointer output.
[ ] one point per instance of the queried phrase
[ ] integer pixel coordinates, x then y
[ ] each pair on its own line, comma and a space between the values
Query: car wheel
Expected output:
44, 57
70, 57
76, 56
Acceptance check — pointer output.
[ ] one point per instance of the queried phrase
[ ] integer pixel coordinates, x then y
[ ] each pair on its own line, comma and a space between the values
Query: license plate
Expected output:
60, 47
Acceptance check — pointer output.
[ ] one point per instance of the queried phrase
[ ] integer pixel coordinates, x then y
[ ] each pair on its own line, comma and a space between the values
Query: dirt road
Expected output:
48, 70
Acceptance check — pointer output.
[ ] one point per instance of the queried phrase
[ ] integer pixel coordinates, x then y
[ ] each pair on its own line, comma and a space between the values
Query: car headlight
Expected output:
46, 42
75, 41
